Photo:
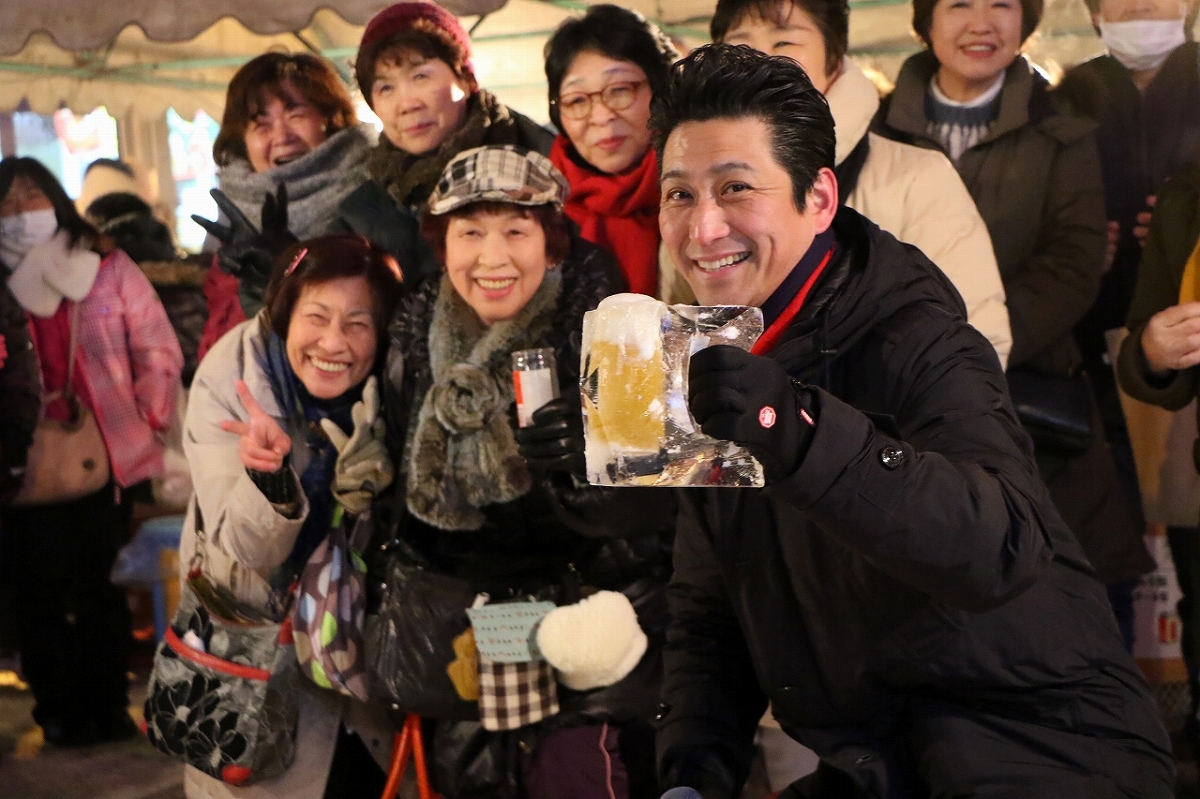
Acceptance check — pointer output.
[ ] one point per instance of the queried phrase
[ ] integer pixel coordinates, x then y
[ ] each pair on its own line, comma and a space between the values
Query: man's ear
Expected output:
822, 200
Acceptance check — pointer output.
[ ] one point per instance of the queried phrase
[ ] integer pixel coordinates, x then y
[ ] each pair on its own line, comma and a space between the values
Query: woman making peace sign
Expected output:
273, 446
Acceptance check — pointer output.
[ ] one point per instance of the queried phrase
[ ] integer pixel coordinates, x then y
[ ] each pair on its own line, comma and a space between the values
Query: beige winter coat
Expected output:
245, 537
916, 195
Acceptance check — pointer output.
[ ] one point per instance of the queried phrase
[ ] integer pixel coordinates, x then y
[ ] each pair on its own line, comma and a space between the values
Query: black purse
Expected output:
1056, 410
409, 639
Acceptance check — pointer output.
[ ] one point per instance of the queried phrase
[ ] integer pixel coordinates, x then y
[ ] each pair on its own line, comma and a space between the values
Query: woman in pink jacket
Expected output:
73, 625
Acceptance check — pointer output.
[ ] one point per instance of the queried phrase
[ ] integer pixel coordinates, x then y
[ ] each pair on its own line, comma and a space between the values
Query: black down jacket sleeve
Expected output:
714, 699
953, 508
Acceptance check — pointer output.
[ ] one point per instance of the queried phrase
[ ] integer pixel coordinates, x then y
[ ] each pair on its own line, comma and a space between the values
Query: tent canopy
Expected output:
141, 57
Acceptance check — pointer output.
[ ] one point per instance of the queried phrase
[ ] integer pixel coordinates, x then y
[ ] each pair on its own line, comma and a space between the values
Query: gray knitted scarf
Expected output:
462, 454
317, 182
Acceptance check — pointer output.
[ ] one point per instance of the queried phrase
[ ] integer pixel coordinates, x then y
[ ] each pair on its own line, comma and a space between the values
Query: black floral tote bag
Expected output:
223, 692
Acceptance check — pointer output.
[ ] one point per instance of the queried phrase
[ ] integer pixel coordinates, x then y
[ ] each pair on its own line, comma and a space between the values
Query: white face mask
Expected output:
21, 233
1142, 44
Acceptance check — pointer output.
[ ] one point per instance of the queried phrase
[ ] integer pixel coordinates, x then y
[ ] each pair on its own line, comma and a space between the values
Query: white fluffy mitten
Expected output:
593, 643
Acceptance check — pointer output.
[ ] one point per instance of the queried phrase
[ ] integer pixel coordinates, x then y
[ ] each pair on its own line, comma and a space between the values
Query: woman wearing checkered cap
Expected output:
507, 508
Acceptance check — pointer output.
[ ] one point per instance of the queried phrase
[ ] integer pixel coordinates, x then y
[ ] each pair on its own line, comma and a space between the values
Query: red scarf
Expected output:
617, 212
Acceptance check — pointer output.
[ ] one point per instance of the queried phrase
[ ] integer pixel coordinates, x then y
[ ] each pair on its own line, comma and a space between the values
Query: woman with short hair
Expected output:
506, 509
603, 68
1031, 164
89, 307
264, 469
289, 150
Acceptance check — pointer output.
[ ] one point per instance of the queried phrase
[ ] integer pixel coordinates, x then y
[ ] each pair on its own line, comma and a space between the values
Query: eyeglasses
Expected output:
614, 97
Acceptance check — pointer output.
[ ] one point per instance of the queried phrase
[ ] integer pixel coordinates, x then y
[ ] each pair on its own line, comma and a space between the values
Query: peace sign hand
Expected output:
264, 445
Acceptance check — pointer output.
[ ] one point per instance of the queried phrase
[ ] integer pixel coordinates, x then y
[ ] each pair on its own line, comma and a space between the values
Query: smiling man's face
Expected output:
728, 216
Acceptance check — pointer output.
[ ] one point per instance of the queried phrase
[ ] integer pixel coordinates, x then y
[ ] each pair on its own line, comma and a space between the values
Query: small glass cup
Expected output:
535, 381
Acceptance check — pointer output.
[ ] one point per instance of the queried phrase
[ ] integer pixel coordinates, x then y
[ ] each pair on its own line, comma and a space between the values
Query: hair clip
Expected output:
296, 261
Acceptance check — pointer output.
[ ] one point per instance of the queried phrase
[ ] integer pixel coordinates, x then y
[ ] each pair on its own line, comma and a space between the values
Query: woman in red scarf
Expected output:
602, 69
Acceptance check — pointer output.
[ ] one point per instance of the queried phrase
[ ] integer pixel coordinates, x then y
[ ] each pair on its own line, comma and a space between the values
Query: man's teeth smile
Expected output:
328, 366
729, 260
495, 284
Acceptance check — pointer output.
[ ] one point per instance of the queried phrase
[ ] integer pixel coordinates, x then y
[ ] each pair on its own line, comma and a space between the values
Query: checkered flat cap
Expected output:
507, 174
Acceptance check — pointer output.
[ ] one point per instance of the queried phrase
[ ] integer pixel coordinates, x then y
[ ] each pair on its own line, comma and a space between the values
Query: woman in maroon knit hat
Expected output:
414, 69
602, 69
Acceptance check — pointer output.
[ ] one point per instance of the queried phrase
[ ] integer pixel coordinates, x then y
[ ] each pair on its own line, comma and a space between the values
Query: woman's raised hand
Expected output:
264, 445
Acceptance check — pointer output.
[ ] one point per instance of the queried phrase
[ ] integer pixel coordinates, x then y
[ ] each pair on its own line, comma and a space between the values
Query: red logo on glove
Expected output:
766, 417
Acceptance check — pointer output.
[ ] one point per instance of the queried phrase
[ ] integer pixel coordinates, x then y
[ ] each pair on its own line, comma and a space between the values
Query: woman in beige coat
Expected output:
267, 476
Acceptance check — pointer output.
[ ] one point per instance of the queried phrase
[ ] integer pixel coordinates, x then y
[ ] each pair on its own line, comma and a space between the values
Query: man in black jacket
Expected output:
902, 591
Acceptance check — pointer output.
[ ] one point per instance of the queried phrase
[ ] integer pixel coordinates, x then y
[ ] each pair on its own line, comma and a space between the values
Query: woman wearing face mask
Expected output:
516, 277
1032, 168
414, 69
73, 624
290, 127
267, 475
603, 68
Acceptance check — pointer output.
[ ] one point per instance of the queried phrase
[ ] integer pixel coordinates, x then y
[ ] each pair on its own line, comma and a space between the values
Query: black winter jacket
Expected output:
878, 602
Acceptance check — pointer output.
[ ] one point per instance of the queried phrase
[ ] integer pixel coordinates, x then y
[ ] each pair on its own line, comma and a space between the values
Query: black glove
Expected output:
246, 253
554, 442
751, 400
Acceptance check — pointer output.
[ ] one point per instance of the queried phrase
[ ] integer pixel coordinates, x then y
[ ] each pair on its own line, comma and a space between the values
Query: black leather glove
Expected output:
554, 442
751, 400
246, 253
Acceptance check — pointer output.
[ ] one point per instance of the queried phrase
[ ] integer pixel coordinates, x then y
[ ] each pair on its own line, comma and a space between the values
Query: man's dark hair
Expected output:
69, 219
832, 18
612, 31
724, 81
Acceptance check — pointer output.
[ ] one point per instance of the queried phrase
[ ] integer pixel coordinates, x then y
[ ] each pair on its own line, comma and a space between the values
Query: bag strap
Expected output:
67, 392
197, 563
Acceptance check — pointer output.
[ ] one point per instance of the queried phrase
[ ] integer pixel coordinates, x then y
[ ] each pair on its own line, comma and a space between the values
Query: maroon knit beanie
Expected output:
418, 17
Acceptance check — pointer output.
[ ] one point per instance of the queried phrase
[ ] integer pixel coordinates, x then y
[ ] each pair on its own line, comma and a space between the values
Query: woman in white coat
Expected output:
267, 476
914, 194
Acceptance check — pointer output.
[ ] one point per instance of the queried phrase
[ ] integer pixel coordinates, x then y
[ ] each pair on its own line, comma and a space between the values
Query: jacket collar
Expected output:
853, 101
1024, 100
907, 109
871, 277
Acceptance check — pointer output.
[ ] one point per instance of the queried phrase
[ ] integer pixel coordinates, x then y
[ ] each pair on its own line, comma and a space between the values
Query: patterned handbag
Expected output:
330, 609
223, 693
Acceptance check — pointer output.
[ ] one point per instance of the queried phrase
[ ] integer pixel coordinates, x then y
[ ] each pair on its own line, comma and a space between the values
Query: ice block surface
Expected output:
638, 428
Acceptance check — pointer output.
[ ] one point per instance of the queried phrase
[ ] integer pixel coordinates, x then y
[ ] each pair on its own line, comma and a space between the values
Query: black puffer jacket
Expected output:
562, 532
20, 385
909, 582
